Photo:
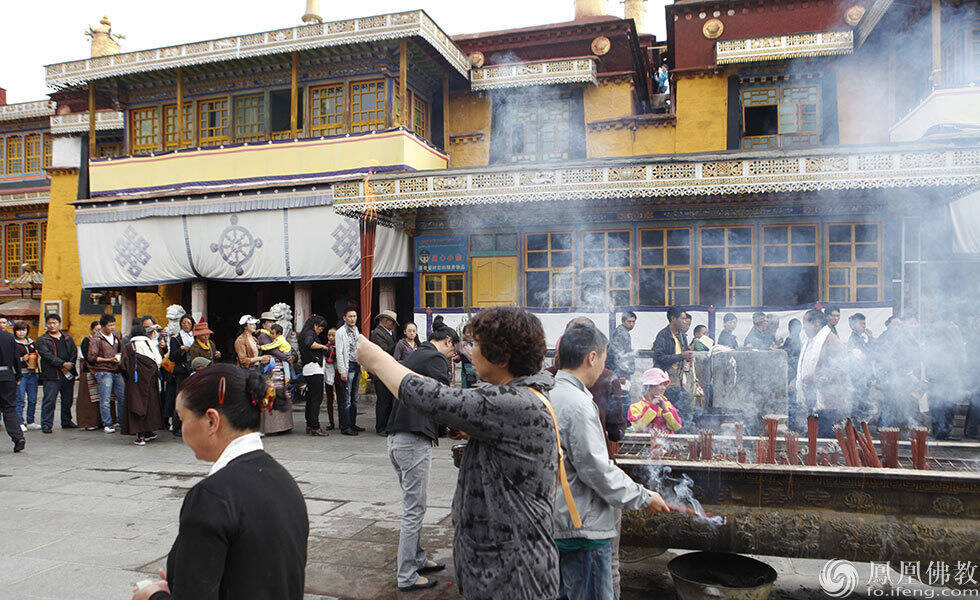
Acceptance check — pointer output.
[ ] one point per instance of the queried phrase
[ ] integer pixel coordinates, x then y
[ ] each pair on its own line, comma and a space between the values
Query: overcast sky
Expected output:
37, 33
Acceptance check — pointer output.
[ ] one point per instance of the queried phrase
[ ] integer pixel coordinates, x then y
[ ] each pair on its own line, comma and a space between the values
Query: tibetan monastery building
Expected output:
797, 154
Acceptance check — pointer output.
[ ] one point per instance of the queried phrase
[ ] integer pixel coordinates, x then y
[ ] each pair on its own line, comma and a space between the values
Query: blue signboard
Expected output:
440, 253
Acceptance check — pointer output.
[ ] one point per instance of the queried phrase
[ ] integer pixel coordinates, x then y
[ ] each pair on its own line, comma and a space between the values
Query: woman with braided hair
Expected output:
243, 528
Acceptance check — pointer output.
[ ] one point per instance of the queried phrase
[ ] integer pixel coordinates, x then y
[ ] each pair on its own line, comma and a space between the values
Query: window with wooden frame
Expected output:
110, 149
725, 271
606, 276
11, 243
31, 252
213, 121
44, 239
250, 118
420, 115
327, 110
854, 269
47, 151
784, 115
536, 127
443, 290
15, 155
144, 127
367, 102
550, 270
170, 126
665, 267
32, 153
791, 267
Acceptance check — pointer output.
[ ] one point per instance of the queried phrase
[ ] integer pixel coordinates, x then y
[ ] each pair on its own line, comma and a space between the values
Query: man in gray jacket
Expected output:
598, 486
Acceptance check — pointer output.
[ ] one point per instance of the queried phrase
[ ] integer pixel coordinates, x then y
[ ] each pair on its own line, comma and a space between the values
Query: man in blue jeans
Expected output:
58, 354
349, 371
104, 349
597, 486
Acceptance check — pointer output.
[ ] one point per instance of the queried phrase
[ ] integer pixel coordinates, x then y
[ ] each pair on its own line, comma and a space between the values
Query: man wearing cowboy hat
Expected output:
384, 336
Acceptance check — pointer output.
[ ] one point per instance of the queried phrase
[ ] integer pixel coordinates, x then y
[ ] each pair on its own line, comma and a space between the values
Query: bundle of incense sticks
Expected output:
918, 445
792, 448
692, 451
707, 439
739, 430
889, 445
772, 425
824, 461
852, 446
844, 448
760, 452
811, 433
689, 511
741, 455
869, 445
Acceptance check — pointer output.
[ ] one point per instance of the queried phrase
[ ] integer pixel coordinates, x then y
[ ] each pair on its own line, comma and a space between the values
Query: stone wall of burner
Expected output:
814, 512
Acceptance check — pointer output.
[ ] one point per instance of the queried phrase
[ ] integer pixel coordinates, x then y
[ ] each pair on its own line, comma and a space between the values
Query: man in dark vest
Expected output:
9, 376
384, 336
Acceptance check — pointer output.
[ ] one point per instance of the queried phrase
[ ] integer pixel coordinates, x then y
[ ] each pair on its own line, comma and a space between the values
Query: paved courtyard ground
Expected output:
85, 515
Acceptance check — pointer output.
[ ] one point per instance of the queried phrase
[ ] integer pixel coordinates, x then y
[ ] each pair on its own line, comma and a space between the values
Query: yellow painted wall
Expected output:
608, 100
702, 113
606, 143
156, 304
469, 113
62, 280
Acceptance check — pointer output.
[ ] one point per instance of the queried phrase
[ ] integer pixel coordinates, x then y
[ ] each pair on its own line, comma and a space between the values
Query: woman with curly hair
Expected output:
505, 492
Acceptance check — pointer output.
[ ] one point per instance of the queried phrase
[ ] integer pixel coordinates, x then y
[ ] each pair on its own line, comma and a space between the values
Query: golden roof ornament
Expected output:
601, 45
104, 42
713, 28
854, 15
477, 59
312, 14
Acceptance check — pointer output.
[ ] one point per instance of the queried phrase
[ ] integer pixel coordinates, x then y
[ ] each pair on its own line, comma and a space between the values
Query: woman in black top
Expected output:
311, 356
244, 527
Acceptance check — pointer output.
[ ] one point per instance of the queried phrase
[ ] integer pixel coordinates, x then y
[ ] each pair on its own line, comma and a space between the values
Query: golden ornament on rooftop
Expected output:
477, 59
854, 15
601, 45
713, 28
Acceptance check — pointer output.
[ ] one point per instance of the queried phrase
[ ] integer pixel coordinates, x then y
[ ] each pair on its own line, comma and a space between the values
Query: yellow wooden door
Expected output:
494, 280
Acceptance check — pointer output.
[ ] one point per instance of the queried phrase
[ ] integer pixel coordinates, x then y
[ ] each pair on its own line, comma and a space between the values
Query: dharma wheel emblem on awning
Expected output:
236, 245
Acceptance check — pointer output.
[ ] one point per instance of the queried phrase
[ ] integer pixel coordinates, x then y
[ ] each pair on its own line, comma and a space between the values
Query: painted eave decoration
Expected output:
27, 110
649, 177
783, 47
302, 37
105, 120
24, 199
538, 72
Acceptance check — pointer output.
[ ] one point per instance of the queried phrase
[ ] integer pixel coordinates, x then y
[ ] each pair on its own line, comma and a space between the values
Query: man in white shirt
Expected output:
350, 373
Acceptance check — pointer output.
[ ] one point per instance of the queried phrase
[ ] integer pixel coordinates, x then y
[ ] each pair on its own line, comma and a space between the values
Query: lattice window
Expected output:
420, 115
535, 127
32, 153
144, 127
31, 250
15, 155
213, 121
11, 243
780, 116
550, 272
665, 267
170, 126
606, 276
367, 101
47, 151
443, 290
725, 272
110, 149
250, 118
854, 262
327, 106
791, 269
44, 240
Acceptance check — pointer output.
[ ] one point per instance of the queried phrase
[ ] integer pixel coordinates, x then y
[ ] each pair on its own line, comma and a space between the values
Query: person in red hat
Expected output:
203, 346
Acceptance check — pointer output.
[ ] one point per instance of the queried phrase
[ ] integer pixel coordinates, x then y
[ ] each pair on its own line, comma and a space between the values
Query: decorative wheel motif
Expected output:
236, 245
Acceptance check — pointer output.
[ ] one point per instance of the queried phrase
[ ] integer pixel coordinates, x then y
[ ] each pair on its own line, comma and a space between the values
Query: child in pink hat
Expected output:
654, 413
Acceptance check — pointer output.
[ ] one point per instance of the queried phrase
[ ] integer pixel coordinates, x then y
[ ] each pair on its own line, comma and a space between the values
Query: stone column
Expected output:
128, 298
199, 299
302, 295
386, 294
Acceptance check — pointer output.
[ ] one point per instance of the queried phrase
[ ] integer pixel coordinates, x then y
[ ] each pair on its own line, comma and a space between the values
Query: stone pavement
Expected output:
86, 515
